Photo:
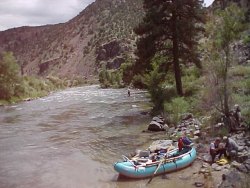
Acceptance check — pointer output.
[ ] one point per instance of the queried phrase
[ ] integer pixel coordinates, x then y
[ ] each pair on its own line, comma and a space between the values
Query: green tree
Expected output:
126, 71
222, 30
169, 28
9, 75
153, 82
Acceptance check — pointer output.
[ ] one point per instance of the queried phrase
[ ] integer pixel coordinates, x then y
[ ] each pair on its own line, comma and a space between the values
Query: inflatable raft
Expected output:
166, 162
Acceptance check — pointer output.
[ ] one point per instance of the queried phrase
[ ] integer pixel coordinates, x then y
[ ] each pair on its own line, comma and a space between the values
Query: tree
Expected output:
155, 89
222, 30
169, 28
126, 70
9, 75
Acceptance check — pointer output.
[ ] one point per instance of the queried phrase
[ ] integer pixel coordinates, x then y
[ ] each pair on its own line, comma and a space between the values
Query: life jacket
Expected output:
180, 144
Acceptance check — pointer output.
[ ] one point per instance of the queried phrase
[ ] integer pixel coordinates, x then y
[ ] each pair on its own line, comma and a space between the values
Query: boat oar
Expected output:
155, 171
170, 147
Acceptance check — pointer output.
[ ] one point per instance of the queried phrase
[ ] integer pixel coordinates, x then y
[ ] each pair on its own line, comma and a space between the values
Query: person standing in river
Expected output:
128, 92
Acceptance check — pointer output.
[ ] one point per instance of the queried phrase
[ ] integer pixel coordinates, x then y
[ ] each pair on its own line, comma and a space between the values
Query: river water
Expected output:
72, 138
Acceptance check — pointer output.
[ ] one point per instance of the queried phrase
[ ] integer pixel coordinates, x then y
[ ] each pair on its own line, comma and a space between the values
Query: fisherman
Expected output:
216, 149
128, 92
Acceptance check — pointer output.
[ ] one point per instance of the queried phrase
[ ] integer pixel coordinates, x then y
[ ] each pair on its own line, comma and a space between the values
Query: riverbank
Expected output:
235, 173
34, 88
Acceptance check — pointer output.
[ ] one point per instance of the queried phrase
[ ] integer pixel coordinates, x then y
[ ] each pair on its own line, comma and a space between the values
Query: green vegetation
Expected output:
169, 28
110, 78
182, 53
9, 78
227, 82
223, 29
117, 20
176, 108
210, 89
166, 49
171, 47
15, 87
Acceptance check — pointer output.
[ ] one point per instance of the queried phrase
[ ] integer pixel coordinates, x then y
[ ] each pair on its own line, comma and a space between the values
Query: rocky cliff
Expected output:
102, 33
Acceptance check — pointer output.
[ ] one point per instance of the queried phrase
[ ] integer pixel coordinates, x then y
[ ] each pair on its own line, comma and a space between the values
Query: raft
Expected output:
167, 163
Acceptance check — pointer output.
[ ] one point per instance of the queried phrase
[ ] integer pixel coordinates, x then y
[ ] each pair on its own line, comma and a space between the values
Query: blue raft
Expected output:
176, 161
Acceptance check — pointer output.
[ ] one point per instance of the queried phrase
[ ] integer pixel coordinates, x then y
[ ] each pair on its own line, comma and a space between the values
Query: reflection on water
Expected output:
72, 138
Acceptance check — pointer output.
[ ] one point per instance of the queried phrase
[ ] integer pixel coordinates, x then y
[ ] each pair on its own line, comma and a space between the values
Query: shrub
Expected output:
9, 75
240, 70
176, 108
138, 81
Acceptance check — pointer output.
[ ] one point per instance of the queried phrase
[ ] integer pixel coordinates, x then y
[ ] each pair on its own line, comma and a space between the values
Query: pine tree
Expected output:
169, 28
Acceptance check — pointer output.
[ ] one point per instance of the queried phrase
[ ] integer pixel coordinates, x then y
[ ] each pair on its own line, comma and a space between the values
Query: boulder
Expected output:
216, 167
197, 133
207, 158
231, 179
247, 143
186, 116
165, 127
242, 168
242, 156
199, 184
155, 126
248, 167
158, 119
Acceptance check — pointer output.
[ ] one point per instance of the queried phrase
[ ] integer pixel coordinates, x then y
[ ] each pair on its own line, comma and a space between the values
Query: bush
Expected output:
246, 39
240, 70
190, 80
176, 108
9, 75
138, 82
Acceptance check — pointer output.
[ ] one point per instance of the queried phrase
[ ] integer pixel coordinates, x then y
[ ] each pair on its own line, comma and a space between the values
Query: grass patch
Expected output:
240, 70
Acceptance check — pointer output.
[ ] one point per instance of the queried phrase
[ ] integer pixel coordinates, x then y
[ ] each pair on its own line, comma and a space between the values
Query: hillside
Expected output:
102, 33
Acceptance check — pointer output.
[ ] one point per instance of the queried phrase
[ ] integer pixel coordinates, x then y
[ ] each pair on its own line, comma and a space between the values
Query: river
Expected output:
72, 138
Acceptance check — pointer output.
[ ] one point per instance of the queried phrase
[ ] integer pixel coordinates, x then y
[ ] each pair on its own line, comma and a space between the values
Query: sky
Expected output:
17, 13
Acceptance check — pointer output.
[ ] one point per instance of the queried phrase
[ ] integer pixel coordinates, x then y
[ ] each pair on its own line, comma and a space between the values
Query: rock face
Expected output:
108, 51
112, 53
103, 32
242, 51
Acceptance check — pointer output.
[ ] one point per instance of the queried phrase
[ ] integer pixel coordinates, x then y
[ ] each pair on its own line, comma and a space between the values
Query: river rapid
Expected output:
72, 138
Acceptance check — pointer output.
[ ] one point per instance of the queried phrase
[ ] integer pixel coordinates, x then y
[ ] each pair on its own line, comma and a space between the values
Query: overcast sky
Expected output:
16, 13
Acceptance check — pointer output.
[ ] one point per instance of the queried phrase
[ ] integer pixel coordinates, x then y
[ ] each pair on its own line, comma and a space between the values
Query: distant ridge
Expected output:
101, 34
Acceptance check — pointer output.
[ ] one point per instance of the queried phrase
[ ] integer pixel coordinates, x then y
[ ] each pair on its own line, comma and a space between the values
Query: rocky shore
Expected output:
234, 173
